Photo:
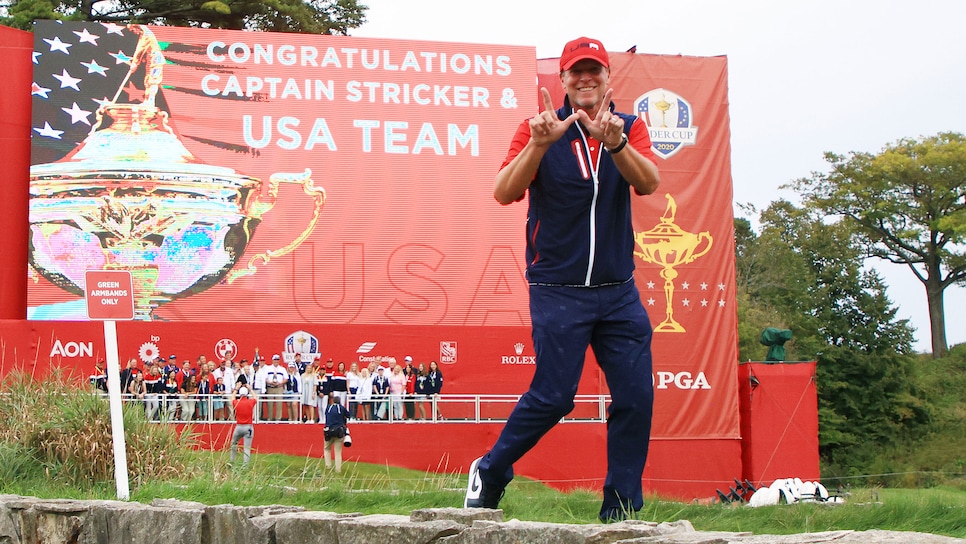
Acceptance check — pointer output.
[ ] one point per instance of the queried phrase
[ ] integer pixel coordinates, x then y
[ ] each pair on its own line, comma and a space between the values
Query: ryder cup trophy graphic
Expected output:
132, 197
669, 246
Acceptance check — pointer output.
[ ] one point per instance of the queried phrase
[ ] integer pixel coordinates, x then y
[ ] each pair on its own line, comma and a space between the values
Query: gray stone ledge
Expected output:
29, 520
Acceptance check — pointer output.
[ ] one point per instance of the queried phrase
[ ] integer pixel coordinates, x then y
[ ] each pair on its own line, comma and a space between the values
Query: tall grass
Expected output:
66, 430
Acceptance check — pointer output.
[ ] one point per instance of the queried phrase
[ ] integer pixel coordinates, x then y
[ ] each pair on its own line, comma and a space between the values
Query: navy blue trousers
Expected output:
612, 321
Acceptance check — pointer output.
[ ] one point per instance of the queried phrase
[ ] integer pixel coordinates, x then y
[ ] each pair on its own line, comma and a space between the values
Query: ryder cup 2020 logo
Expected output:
668, 118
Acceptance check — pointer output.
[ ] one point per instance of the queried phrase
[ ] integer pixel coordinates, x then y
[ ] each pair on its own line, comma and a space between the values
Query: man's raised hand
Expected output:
546, 128
605, 126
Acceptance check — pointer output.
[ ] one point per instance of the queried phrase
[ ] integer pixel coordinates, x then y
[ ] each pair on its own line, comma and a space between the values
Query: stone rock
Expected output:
28, 520
393, 529
466, 516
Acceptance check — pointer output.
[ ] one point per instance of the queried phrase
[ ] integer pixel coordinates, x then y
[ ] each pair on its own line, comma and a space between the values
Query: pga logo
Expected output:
680, 380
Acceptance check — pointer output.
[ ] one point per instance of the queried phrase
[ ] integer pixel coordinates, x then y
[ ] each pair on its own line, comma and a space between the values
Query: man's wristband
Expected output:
620, 146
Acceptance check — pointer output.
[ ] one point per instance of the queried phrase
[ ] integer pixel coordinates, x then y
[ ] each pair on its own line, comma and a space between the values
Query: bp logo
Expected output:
668, 118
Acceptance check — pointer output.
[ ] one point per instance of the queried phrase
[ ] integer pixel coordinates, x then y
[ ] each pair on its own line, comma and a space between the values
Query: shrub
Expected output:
67, 430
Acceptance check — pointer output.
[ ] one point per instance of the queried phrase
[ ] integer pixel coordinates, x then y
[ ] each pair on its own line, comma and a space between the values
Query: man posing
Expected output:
579, 164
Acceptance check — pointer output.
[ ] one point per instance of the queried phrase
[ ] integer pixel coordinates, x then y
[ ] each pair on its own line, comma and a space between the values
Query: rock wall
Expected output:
28, 520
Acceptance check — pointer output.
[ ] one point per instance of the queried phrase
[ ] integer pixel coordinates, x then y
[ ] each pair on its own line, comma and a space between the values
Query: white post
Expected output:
117, 419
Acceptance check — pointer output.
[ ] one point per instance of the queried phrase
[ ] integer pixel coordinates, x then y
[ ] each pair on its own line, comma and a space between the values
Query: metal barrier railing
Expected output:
381, 409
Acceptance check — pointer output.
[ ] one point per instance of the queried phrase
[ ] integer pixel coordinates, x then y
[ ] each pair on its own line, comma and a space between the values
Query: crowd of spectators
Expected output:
297, 391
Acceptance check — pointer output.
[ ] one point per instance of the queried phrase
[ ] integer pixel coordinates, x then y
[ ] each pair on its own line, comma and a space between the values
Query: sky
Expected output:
804, 78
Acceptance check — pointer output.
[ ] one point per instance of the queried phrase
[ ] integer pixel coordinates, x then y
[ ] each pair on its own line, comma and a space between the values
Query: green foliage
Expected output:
868, 401
906, 204
22, 13
305, 16
939, 455
805, 274
67, 431
882, 409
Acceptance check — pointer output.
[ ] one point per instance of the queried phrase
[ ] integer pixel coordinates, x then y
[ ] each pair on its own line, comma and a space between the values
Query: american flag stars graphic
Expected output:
77, 67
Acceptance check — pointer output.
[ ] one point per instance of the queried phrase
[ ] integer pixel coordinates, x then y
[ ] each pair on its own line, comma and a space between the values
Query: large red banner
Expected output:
15, 49
334, 194
685, 235
474, 361
276, 177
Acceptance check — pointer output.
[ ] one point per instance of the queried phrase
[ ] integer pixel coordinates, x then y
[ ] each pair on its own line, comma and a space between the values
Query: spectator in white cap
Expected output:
259, 384
275, 380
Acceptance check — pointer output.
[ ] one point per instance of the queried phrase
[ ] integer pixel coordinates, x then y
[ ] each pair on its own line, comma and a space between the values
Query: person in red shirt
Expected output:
244, 406
183, 372
410, 403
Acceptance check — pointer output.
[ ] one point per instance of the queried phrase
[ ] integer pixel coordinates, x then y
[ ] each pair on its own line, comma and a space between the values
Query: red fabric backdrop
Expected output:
697, 176
15, 48
779, 421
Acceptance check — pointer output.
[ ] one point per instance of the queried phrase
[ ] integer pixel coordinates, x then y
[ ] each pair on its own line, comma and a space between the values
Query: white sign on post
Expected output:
110, 297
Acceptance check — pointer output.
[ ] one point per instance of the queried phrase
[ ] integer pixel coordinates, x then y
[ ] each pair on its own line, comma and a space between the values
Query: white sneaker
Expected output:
474, 488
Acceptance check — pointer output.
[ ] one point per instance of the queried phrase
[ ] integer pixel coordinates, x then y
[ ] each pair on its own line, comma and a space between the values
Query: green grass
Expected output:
55, 443
370, 489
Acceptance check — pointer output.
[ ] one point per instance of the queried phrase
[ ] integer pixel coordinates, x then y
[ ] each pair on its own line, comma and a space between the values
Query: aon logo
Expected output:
72, 349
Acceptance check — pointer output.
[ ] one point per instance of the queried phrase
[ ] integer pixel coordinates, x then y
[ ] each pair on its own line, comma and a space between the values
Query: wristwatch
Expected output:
619, 146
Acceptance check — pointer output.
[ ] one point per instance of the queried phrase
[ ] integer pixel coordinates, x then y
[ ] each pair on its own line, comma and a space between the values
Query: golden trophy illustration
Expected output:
664, 106
132, 197
669, 246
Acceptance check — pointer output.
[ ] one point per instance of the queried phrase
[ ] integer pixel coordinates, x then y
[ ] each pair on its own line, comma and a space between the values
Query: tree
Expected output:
807, 275
810, 272
907, 205
306, 16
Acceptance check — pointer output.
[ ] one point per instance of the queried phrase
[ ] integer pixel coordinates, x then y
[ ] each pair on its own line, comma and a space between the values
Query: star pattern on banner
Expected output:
88, 64
113, 28
687, 294
39, 91
74, 67
66, 80
121, 58
48, 131
86, 37
94, 68
77, 115
57, 45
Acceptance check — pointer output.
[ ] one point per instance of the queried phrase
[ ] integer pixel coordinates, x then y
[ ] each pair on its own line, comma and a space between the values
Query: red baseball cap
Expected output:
583, 48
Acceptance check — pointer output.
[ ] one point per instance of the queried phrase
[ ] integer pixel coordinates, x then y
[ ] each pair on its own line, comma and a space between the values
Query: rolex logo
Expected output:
518, 348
